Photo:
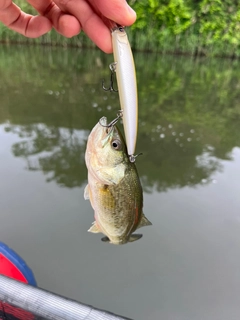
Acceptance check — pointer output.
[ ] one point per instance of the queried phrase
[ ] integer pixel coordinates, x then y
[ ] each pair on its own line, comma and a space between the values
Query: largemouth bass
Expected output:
114, 188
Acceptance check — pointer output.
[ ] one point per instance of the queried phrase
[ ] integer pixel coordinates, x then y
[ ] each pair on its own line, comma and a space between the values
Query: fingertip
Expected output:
105, 44
132, 16
107, 48
68, 26
118, 11
102, 38
38, 26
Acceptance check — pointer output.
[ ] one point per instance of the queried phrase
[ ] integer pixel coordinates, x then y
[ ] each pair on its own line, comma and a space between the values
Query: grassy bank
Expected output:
201, 27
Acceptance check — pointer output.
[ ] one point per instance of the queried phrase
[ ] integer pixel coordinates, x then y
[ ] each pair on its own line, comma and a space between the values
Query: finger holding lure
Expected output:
127, 86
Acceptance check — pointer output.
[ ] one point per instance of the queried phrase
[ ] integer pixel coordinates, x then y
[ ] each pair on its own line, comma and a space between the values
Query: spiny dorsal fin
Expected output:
94, 228
144, 222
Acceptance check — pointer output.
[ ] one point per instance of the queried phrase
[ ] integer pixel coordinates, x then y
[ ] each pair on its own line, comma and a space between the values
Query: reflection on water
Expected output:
186, 267
58, 152
189, 114
168, 163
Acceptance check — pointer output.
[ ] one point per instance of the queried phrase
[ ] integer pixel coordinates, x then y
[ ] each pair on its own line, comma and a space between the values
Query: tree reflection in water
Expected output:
165, 163
189, 115
57, 152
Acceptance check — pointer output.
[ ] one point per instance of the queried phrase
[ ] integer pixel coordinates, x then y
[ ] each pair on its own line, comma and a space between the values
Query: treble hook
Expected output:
113, 122
133, 157
112, 67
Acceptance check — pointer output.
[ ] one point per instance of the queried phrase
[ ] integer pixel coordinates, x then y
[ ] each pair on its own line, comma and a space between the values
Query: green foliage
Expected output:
175, 15
201, 27
24, 5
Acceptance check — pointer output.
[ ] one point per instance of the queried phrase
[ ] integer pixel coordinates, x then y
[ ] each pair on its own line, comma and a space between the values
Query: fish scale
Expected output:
114, 188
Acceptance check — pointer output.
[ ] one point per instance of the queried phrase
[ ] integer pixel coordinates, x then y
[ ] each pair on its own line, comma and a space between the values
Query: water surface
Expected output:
186, 266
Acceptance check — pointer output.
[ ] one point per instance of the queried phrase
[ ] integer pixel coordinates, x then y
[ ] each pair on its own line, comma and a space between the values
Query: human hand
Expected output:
68, 17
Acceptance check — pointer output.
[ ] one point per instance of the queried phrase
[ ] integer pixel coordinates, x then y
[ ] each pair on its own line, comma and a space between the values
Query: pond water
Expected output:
186, 266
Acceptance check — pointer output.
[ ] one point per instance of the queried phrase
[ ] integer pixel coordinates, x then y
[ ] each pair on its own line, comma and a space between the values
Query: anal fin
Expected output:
94, 228
144, 222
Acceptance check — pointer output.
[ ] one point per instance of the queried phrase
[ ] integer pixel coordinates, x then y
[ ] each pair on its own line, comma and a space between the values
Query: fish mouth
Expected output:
104, 131
107, 130
103, 122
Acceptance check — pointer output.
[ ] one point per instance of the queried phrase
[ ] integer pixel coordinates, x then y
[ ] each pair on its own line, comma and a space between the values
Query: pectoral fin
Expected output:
94, 228
86, 192
110, 175
144, 222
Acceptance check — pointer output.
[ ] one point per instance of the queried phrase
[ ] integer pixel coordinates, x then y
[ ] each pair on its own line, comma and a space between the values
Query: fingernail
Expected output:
131, 11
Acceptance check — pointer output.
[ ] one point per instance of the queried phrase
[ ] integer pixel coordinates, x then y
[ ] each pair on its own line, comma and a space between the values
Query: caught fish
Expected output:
127, 86
114, 188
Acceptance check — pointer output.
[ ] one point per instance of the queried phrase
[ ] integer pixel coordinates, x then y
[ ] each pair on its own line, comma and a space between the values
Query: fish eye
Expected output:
116, 144
121, 29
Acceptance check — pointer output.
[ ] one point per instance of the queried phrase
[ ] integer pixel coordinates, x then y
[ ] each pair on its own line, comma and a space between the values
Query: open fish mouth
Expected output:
103, 122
